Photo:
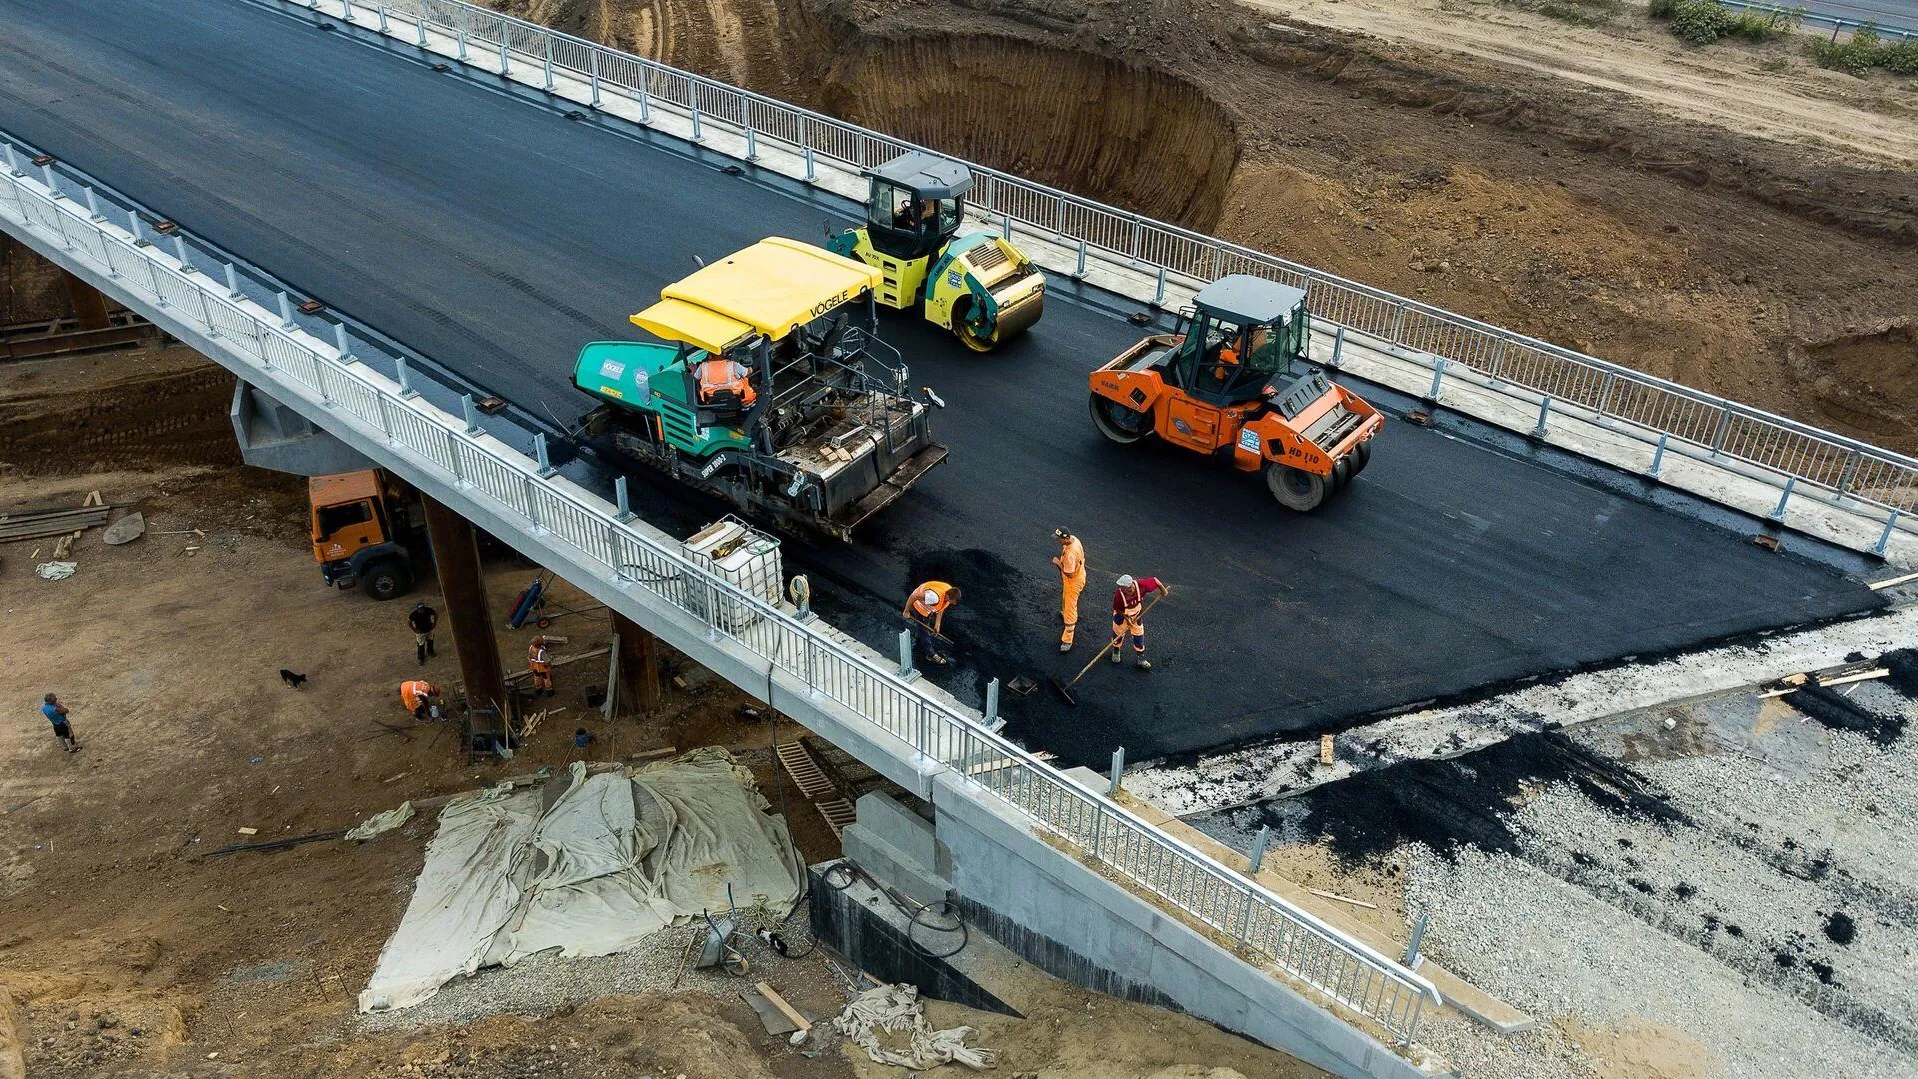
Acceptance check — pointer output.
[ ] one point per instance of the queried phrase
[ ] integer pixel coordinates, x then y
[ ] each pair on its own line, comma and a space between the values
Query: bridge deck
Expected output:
496, 237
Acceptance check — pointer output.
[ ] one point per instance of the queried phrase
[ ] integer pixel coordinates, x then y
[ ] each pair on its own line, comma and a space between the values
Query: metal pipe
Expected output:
1544, 410
1778, 511
1884, 538
1438, 376
1118, 770
1658, 456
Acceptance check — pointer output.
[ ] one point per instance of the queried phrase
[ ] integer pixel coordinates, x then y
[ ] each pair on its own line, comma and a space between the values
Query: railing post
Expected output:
1544, 410
693, 93
645, 97
905, 654
386, 420
1884, 538
53, 189
346, 10
1398, 325
1118, 770
232, 282
548, 38
1438, 377
505, 66
1259, 844
453, 458
286, 311
1138, 239
1080, 271
1605, 395
812, 173
13, 161
93, 204
752, 142
180, 252
407, 392
342, 343
1059, 218
1658, 455
1778, 511
530, 490
472, 412
384, 29
153, 282
539, 450
1338, 346
992, 701
133, 229
1158, 297
620, 496
595, 76
462, 43
1411, 960
419, 25
1724, 427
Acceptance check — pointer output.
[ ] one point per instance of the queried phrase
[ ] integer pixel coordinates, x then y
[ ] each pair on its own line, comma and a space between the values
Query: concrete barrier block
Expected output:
893, 867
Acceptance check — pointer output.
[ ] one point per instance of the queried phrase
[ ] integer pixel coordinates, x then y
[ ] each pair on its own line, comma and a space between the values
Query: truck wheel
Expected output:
1294, 488
386, 579
1117, 422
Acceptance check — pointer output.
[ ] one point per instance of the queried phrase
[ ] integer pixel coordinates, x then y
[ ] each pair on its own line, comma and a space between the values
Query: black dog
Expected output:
292, 680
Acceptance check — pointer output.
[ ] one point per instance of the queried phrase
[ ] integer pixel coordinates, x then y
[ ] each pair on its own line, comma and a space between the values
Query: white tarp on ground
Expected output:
615, 857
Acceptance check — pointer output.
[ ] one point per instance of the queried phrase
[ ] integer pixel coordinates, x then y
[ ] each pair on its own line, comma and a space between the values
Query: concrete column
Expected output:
638, 689
88, 304
463, 586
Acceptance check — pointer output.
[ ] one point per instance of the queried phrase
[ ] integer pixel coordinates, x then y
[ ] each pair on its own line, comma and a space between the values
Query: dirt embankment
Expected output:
112, 410
1764, 270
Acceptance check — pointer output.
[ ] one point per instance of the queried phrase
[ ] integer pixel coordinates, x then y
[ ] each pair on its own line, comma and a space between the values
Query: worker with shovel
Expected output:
1128, 616
1072, 581
926, 613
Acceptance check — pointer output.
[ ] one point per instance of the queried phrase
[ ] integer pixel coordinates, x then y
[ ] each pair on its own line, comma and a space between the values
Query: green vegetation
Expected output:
1865, 50
1576, 12
1701, 22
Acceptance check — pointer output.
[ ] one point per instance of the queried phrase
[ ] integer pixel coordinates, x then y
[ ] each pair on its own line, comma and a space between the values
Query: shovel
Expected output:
1064, 689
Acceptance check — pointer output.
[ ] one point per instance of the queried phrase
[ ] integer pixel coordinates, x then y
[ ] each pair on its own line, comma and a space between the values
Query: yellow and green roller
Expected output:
976, 284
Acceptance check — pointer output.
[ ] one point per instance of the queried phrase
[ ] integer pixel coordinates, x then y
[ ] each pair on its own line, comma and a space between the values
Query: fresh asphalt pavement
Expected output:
496, 236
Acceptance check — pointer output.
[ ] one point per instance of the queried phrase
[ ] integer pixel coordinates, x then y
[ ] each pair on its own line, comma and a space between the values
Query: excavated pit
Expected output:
1137, 138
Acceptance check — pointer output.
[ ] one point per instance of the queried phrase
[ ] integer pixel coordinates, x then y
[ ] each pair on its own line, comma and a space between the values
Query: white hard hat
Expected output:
929, 598
1126, 581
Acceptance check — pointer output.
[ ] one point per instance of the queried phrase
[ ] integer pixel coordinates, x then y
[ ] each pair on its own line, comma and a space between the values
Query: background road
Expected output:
496, 237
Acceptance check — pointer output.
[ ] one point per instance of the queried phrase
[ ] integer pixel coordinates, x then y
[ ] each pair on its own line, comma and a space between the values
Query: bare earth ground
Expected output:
126, 950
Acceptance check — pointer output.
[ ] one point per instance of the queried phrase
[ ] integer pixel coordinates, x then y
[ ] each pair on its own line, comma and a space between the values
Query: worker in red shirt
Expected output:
926, 613
1128, 616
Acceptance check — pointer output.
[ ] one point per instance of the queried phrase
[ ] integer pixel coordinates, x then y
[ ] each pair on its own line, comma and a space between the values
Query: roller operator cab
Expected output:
363, 525
1235, 383
769, 390
976, 284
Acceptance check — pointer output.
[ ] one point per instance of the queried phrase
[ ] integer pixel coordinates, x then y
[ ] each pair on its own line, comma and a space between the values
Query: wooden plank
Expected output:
1876, 585
1325, 749
1861, 676
561, 662
785, 1009
1343, 899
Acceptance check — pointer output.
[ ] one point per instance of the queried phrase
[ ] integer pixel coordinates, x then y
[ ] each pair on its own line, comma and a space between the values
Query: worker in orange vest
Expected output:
1128, 616
541, 665
725, 384
1072, 581
420, 697
926, 613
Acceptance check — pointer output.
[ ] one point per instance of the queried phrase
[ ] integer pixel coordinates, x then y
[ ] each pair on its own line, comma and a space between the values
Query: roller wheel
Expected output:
1342, 473
976, 338
1117, 422
1295, 488
1363, 456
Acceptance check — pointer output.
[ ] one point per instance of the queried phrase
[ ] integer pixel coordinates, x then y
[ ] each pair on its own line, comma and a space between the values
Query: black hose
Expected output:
854, 871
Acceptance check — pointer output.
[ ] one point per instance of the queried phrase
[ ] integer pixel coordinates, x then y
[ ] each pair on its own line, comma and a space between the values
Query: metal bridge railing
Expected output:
1873, 482
159, 271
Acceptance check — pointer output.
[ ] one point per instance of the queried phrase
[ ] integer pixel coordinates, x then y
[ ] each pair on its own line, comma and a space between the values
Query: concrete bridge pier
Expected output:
463, 592
89, 305
636, 691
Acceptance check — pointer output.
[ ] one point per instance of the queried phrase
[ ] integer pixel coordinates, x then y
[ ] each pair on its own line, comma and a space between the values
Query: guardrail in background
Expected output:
1818, 18
160, 270
1876, 483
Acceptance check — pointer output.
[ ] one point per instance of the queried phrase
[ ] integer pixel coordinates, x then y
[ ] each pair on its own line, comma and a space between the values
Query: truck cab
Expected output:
358, 528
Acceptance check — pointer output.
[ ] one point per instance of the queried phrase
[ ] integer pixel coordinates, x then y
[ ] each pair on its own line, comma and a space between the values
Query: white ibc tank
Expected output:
747, 559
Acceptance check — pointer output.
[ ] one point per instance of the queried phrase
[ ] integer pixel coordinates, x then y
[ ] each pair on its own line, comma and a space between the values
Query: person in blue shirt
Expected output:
56, 714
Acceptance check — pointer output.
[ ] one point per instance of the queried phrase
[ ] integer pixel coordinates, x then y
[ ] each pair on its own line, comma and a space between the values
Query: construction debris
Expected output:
55, 571
125, 530
892, 1008
379, 823
39, 524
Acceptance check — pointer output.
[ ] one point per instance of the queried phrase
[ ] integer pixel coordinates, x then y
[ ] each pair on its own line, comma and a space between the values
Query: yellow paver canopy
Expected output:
770, 288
